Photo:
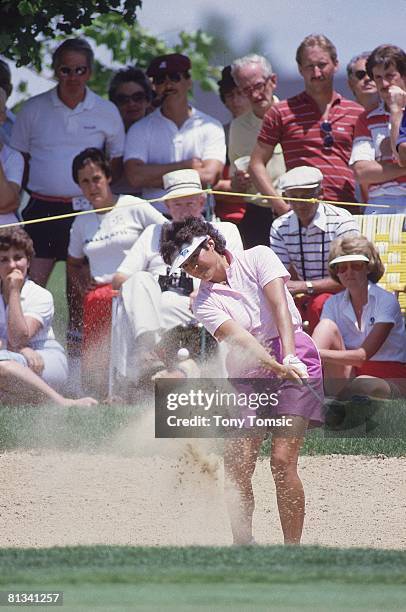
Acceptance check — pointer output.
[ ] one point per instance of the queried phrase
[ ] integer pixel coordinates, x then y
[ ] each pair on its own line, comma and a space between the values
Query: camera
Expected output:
180, 283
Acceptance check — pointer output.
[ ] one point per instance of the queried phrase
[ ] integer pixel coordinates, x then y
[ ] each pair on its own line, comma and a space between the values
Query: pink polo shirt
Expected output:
243, 300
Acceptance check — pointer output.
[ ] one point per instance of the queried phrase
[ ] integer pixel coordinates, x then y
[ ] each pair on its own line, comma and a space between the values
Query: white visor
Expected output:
186, 251
354, 257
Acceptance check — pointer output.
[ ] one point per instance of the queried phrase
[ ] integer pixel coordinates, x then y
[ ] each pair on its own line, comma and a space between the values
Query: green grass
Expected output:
194, 578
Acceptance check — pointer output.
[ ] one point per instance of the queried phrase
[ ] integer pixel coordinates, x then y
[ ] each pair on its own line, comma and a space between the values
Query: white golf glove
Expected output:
300, 367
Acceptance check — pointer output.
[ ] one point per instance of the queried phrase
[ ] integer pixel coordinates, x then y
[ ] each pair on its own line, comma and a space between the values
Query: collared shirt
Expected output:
155, 139
242, 299
244, 132
372, 142
328, 223
53, 134
382, 307
295, 124
12, 163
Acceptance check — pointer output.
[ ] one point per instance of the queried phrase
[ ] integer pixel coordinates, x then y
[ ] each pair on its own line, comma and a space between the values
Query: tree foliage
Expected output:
25, 24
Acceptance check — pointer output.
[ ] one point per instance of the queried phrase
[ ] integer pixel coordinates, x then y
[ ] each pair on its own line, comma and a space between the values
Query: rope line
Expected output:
78, 213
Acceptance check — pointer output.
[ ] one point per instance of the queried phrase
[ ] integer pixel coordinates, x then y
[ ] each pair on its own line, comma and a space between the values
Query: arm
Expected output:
397, 103
140, 175
356, 357
376, 172
321, 285
274, 292
119, 279
257, 169
254, 353
9, 194
20, 328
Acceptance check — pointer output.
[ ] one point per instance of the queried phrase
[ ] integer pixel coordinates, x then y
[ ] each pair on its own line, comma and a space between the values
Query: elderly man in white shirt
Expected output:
144, 310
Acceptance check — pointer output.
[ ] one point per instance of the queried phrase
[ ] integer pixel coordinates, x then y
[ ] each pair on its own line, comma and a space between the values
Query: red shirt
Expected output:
295, 124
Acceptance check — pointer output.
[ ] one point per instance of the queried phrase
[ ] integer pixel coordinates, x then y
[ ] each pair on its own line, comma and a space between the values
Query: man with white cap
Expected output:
145, 310
301, 238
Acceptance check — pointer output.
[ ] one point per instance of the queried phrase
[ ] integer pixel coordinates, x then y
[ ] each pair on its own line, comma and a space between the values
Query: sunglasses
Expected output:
327, 132
175, 77
354, 265
360, 74
77, 70
122, 99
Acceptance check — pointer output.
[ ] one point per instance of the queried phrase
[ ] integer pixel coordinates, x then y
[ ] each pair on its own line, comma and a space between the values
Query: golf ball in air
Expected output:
183, 354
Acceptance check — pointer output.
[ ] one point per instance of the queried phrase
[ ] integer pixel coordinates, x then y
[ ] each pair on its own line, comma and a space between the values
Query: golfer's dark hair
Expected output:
387, 55
130, 75
90, 156
178, 233
18, 238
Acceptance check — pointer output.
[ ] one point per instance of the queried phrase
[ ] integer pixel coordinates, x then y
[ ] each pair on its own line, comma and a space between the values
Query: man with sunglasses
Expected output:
360, 83
50, 130
315, 128
174, 137
301, 238
372, 157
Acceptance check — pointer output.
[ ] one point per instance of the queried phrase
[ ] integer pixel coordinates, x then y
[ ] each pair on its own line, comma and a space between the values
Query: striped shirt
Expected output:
328, 223
295, 124
372, 143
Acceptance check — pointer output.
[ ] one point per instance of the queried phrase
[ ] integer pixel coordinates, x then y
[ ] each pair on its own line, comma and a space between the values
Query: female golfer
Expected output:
361, 335
32, 362
243, 300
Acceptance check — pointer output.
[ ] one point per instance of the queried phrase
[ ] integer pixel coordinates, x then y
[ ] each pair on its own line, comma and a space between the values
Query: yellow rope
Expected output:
208, 191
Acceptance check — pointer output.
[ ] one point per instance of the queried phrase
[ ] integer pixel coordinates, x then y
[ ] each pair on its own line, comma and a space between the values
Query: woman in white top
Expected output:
99, 242
32, 363
11, 173
361, 335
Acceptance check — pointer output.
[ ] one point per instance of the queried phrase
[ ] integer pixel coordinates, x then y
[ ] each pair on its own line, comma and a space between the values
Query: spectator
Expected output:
32, 363
11, 173
361, 84
315, 128
361, 335
50, 130
130, 90
101, 239
5, 84
301, 238
146, 310
254, 75
230, 208
398, 124
372, 157
175, 136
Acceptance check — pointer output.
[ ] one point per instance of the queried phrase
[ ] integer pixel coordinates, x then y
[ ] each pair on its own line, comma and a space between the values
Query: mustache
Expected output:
158, 100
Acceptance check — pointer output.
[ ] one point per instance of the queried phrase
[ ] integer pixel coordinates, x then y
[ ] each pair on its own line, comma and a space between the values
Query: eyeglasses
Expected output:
360, 74
136, 97
77, 70
327, 131
258, 88
175, 77
354, 265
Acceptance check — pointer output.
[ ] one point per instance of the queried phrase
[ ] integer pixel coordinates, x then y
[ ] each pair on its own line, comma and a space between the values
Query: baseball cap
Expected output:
165, 64
303, 177
187, 251
181, 183
352, 257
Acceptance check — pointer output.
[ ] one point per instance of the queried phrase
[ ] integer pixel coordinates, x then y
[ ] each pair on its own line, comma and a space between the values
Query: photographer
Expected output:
144, 310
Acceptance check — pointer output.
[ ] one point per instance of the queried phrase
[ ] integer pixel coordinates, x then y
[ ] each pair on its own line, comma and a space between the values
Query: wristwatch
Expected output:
310, 288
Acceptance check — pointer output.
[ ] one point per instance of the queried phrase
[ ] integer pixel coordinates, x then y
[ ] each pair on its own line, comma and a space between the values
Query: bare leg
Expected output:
370, 385
40, 270
289, 489
240, 456
31, 388
328, 336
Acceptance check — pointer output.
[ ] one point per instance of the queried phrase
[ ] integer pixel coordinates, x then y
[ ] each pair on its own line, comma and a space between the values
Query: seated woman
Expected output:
243, 300
32, 363
98, 244
361, 335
